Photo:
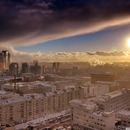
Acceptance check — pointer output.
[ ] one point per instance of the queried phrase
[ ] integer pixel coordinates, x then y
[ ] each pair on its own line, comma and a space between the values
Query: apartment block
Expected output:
87, 116
102, 112
24, 108
114, 101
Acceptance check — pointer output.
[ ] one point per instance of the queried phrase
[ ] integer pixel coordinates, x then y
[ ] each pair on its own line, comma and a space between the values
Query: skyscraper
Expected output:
6, 56
2, 65
25, 68
13, 69
35, 69
56, 66
43, 69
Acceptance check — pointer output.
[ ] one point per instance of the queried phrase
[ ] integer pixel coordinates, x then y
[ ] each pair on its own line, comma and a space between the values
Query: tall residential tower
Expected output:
6, 56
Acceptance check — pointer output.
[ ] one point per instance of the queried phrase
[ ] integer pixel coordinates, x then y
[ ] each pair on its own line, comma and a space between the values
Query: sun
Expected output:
128, 42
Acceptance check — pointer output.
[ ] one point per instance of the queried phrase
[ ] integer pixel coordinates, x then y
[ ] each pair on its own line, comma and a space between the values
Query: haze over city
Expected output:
64, 65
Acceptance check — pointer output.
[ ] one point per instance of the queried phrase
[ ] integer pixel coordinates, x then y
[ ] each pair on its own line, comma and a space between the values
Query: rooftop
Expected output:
124, 113
87, 104
111, 95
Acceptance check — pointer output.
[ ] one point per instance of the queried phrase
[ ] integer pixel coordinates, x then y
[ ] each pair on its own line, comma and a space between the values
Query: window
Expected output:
30, 113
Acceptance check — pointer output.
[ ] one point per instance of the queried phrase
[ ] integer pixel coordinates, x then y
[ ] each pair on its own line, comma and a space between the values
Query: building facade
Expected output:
25, 68
13, 69
32, 106
114, 101
35, 69
102, 77
102, 112
86, 116
4, 60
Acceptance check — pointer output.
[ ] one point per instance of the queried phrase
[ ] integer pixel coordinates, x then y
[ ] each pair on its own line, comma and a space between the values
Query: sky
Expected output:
66, 30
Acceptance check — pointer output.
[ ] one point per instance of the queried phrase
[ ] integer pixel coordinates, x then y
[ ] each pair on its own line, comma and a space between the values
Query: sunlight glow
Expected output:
128, 42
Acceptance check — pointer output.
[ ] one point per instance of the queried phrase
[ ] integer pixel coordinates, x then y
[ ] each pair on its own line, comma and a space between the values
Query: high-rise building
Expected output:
4, 60
13, 69
43, 69
6, 56
35, 69
1, 61
8, 59
25, 68
56, 66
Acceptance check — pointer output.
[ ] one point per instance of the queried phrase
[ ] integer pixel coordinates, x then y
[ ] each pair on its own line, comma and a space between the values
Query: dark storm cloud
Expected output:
29, 22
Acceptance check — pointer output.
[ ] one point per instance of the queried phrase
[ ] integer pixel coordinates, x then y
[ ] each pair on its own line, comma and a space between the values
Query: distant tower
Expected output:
8, 59
6, 55
2, 63
58, 66
43, 69
25, 68
54, 67
35, 69
13, 69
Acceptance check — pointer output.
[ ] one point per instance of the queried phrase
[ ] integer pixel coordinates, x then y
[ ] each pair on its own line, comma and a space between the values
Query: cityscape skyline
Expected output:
64, 65
65, 31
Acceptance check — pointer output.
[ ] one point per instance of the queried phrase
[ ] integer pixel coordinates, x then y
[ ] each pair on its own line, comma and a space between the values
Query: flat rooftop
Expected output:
124, 112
